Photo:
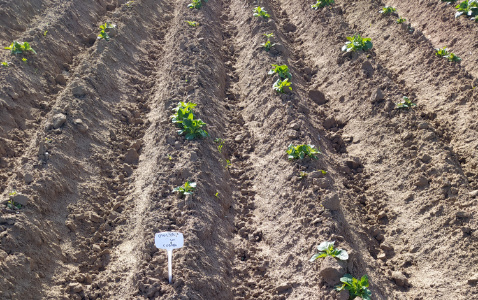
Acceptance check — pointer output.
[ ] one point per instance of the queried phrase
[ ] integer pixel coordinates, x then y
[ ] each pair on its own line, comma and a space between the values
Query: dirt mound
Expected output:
87, 142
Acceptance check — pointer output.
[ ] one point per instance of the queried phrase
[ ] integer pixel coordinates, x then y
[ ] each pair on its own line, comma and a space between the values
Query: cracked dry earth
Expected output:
86, 137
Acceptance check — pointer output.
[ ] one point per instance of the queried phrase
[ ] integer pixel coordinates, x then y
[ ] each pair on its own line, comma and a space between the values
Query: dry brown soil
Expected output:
99, 186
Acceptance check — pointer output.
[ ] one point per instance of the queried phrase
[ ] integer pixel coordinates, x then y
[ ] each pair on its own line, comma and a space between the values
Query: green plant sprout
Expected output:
44, 33
129, 4
20, 47
104, 31
322, 3
187, 189
449, 55
170, 157
228, 164
282, 71
300, 151
356, 288
468, 8
220, 142
11, 204
323, 172
405, 104
196, 4
356, 42
216, 195
279, 85
401, 20
4, 63
24, 60
261, 12
268, 44
192, 23
327, 249
184, 117
302, 175
387, 10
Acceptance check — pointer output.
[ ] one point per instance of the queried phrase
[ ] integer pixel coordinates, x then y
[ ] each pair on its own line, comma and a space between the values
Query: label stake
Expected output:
169, 241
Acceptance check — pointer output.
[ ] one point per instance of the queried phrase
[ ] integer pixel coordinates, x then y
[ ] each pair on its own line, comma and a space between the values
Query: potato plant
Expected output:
357, 43
328, 249
300, 151
268, 44
282, 71
196, 4
401, 20
280, 85
104, 31
192, 23
405, 104
261, 12
446, 54
187, 189
387, 10
356, 288
20, 47
184, 118
322, 3
468, 8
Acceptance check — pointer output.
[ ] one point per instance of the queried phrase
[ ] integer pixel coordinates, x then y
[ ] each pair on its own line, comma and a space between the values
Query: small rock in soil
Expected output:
60, 79
422, 181
377, 95
58, 120
292, 134
317, 96
331, 202
82, 127
331, 270
283, 287
76, 287
399, 278
21, 199
472, 280
131, 157
426, 158
473, 193
79, 91
28, 178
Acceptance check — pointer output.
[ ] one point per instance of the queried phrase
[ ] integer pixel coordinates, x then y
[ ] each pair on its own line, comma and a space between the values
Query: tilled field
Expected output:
86, 135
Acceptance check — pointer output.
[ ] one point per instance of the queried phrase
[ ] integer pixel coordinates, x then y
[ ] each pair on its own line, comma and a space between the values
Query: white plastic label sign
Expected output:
169, 241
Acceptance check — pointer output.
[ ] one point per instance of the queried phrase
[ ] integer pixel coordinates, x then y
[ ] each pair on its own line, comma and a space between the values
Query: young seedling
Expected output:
192, 23
282, 71
261, 12
24, 60
300, 151
184, 118
356, 43
228, 164
217, 195
170, 157
104, 31
187, 189
405, 104
268, 44
220, 142
20, 47
467, 8
196, 4
401, 20
129, 4
446, 54
327, 249
4, 63
356, 288
279, 85
322, 3
387, 10
323, 172
44, 33
302, 175
11, 204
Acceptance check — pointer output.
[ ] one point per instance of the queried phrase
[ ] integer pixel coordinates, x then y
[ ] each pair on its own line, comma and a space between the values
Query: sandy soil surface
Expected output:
87, 142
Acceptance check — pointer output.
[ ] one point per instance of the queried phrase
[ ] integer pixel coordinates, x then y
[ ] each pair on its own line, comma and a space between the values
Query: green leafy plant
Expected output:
467, 8
279, 85
446, 54
187, 189
20, 47
300, 151
322, 3
323, 172
405, 104
228, 164
11, 204
268, 44
184, 118
24, 60
401, 20
327, 249
387, 10
282, 71
220, 142
261, 12
356, 288
196, 4
356, 42
4, 63
104, 31
192, 23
